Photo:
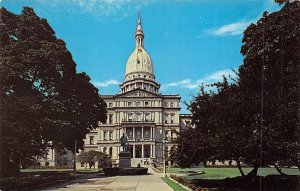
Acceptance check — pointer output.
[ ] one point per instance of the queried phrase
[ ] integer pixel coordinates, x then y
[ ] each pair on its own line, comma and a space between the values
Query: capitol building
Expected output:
148, 118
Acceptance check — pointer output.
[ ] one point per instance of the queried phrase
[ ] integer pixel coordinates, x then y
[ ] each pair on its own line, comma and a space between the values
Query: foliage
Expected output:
116, 171
43, 99
253, 118
269, 80
92, 156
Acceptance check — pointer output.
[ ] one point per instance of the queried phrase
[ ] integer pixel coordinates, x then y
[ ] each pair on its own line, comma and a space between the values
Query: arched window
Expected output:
104, 149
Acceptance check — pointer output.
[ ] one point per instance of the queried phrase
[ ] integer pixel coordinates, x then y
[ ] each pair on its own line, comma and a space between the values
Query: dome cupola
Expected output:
139, 68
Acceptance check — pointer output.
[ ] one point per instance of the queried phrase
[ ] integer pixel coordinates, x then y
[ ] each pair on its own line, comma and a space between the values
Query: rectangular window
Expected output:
110, 119
146, 103
166, 118
166, 135
172, 118
171, 104
91, 140
138, 116
130, 117
129, 133
147, 117
110, 104
104, 135
138, 104
111, 135
147, 132
129, 104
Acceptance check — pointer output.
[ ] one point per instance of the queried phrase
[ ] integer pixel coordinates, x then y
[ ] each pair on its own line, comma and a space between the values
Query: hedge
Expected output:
116, 171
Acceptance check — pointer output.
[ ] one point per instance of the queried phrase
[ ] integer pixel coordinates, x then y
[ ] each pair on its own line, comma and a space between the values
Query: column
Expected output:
142, 150
154, 151
133, 151
151, 150
142, 133
133, 131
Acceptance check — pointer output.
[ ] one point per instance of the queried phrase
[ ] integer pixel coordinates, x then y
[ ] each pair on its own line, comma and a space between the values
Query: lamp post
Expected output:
164, 158
75, 155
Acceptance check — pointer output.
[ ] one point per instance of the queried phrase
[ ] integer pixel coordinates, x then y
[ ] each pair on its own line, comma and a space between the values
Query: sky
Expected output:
190, 41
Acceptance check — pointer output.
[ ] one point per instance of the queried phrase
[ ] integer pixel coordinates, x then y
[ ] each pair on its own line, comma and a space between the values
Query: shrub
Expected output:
124, 171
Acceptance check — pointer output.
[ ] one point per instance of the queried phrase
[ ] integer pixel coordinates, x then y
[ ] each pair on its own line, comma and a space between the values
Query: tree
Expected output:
92, 156
270, 82
43, 99
255, 118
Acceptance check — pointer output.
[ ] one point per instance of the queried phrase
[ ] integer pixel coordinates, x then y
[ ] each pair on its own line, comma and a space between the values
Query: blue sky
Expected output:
190, 42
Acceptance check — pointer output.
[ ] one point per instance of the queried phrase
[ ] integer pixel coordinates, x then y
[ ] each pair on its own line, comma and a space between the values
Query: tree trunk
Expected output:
279, 170
238, 162
253, 171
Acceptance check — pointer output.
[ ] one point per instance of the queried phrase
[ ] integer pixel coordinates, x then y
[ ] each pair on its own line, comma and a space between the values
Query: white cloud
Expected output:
105, 83
195, 84
229, 29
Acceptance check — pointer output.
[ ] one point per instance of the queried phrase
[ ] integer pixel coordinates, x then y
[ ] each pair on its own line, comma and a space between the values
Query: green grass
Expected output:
221, 173
173, 185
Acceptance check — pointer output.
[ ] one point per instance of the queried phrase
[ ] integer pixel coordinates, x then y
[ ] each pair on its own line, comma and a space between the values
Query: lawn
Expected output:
221, 173
173, 185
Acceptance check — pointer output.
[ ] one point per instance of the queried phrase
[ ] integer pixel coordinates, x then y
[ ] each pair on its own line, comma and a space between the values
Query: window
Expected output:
111, 135
129, 104
146, 103
104, 149
147, 132
172, 135
110, 151
172, 118
139, 116
147, 117
166, 118
129, 133
166, 104
130, 117
166, 135
138, 133
110, 119
104, 135
138, 104
110, 104
91, 140
171, 104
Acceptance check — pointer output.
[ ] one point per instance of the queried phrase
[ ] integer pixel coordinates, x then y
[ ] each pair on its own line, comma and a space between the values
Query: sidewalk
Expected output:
150, 182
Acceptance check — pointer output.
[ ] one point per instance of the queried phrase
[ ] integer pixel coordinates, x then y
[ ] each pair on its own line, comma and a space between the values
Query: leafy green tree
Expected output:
92, 156
43, 99
255, 118
270, 82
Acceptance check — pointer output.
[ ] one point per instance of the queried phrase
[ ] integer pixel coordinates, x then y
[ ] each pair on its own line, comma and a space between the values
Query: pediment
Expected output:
138, 93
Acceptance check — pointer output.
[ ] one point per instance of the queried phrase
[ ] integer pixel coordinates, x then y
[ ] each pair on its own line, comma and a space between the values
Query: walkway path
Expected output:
150, 182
